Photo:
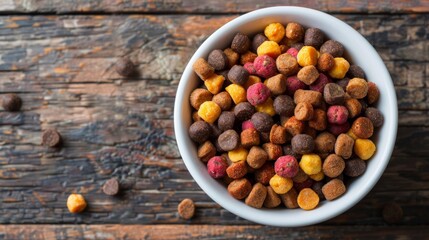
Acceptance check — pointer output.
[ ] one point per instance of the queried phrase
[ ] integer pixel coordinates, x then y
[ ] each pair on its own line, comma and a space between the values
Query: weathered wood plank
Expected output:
166, 232
192, 6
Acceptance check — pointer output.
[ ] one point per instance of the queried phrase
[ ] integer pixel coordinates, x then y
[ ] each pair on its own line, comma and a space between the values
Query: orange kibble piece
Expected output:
76, 203
209, 111
275, 32
308, 199
269, 48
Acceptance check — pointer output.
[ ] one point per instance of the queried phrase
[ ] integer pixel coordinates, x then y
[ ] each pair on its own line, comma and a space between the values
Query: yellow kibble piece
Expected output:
281, 185
237, 93
351, 134
266, 107
237, 155
311, 164
209, 111
340, 68
318, 176
269, 48
252, 80
307, 56
214, 83
76, 203
308, 199
364, 148
275, 32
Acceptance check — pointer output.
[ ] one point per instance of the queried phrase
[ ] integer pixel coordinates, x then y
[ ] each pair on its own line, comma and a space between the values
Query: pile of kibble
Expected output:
283, 117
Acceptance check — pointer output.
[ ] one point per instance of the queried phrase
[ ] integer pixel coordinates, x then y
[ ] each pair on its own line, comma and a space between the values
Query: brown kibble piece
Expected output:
392, 213
333, 166
206, 151
232, 57
290, 199
186, 209
111, 187
344, 146
229, 140
354, 167
237, 170
200, 131
278, 134
124, 67
373, 93
333, 94
333, 189
362, 127
353, 106
265, 173
257, 196
295, 31
357, 88
300, 177
258, 39
247, 57
274, 151
199, 96
276, 84
310, 96
11, 102
304, 111
308, 199
319, 121
308, 74
324, 142
272, 200
287, 64
240, 188
203, 69
325, 62
217, 59
240, 43
256, 157
294, 126
223, 100
51, 138
249, 137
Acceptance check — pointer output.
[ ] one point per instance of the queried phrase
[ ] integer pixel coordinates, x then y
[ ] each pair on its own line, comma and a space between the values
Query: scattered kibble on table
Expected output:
125, 67
51, 138
111, 187
76, 203
11, 102
186, 209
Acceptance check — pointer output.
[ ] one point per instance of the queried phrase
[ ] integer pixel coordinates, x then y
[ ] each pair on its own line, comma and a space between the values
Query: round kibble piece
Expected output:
258, 39
256, 157
223, 99
240, 188
286, 166
354, 167
308, 74
240, 43
333, 94
289, 199
272, 200
302, 144
199, 96
262, 121
362, 127
353, 107
332, 47
355, 72
304, 111
324, 142
209, 111
307, 56
269, 48
206, 151
333, 166
375, 116
337, 114
313, 37
287, 64
344, 146
11, 102
229, 140
373, 93
238, 75
325, 62
111, 187
281, 185
226, 121
333, 189
237, 170
186, 208
265, 173
295, 31
340, 68
200, 131
392, 213
257, 196
76, 203
265, 66
310, 164
275, 32
217, 59
216, 167
307, 199
357, 88
124, 67
238, 154
364, 148
244, 111
284, 105
51, 138
214, 83
258, 93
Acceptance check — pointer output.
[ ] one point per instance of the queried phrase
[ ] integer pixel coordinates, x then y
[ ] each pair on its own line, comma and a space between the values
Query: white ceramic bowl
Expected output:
358, 50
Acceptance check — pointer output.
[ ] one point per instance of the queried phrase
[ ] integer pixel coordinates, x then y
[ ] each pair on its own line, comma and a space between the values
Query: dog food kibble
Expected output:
257, 196
333, 189
283, 116
76, 203
364, 148
51, 138
111, 187
307, 199
11, 102
362, 127
186, 209
392, 213
124, 67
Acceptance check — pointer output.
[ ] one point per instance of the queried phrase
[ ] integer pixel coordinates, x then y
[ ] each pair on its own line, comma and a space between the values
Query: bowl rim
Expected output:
259, 215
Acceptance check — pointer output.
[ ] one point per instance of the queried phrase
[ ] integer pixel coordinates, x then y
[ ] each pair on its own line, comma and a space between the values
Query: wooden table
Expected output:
58, 56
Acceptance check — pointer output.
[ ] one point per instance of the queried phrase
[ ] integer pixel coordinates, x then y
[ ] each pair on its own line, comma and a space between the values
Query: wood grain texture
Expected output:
62, 68
195, 6
167, 232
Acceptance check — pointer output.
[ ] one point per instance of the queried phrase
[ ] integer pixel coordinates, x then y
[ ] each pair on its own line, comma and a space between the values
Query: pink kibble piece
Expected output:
286, 166
258, 93
292, 51
216, 167
265, 66
250, 68
337, 129
320, 83
337, 114
246, 125
293, 84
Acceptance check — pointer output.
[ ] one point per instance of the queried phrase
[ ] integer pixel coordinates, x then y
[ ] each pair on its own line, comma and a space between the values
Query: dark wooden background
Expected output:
58, 56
